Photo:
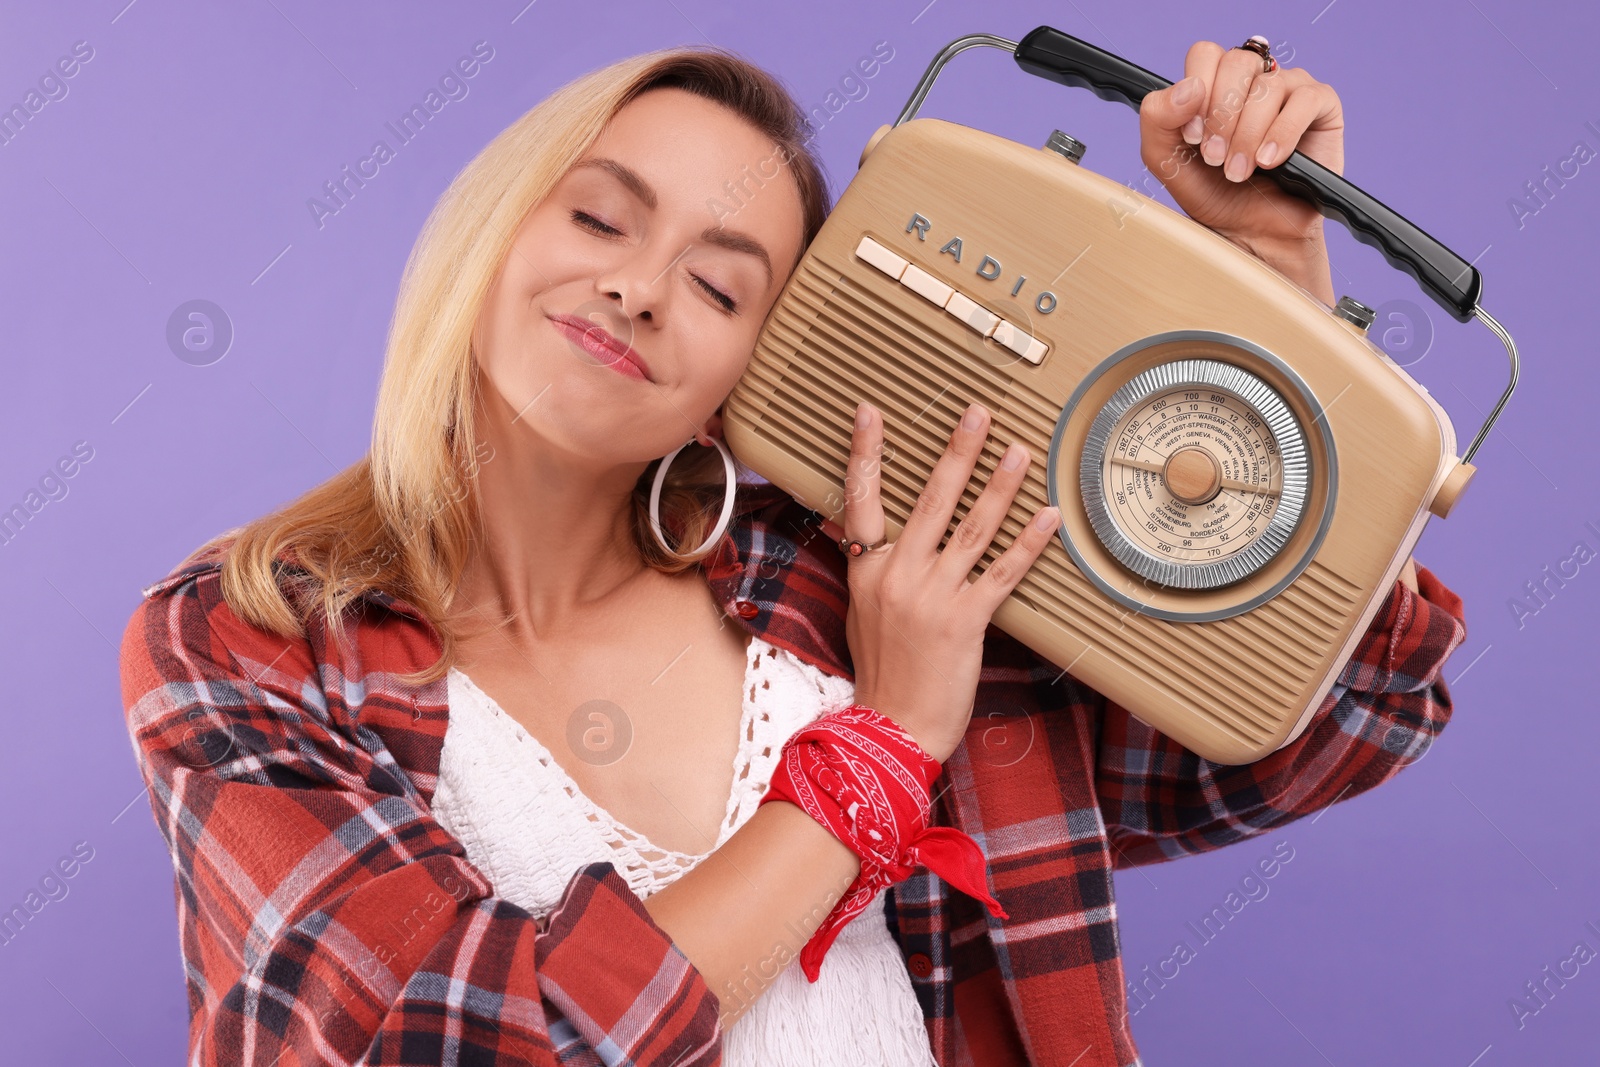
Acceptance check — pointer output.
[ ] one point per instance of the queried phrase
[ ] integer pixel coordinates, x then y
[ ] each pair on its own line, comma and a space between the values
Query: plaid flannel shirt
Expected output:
325, 917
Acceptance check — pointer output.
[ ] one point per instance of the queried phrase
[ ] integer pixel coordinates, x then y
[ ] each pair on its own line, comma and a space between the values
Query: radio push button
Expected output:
926, 285
878, 256
1025, 345
972, 314
969, 312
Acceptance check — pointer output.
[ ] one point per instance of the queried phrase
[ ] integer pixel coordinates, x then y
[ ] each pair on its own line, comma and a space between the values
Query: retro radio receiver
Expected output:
1241, 473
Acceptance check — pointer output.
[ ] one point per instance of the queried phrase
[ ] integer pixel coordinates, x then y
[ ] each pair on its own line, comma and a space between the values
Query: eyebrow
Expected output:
733, 240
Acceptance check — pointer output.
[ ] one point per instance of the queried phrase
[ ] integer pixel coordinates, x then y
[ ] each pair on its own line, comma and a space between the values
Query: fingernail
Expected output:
973, 418
1012, 459
862, 416
1267, 153
1213, 149
1193, 129
1047, 519
1184, 91
1237, 168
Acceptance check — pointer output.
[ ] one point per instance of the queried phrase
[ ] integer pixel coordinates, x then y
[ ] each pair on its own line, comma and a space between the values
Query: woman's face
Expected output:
671, 238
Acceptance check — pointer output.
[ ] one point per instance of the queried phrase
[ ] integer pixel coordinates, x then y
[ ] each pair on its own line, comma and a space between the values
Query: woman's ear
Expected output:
713, 426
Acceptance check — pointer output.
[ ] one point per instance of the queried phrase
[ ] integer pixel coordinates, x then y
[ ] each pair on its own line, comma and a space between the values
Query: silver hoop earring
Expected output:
727, 498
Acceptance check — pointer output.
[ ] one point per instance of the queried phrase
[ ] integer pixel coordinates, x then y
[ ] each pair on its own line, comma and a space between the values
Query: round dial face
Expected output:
1194, 474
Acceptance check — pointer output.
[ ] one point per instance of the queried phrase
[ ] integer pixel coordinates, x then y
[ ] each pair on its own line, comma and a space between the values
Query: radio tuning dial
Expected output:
1195, 473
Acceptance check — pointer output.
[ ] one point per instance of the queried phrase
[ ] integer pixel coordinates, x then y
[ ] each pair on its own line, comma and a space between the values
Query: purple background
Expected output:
179, 165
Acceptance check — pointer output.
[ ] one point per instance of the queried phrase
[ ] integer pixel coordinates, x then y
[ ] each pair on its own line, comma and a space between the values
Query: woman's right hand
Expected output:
915, 623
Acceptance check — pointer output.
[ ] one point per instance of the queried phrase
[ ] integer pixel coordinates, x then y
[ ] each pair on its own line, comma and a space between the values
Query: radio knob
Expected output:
872, 142
1355, 312
1068, 146
1451, 488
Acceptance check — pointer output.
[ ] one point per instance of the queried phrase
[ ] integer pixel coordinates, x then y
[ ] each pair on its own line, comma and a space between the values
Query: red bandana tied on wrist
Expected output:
858, 773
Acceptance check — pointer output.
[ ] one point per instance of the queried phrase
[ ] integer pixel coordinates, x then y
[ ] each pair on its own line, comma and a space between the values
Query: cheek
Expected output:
732, 359
542, 258
545, 254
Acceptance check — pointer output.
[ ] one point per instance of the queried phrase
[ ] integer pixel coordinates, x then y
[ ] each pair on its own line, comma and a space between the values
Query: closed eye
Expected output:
589, 222
720, 297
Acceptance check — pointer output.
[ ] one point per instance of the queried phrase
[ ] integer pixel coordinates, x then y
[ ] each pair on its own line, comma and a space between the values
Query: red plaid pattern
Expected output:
325, 917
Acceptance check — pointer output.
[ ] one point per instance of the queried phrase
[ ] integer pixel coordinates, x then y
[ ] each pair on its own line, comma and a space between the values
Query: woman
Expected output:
441, 749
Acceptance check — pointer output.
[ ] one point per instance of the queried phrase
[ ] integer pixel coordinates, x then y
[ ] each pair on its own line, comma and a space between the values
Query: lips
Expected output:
603, 346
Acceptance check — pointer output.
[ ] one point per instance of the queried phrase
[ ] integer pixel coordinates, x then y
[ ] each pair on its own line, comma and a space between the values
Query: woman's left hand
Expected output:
1205, 136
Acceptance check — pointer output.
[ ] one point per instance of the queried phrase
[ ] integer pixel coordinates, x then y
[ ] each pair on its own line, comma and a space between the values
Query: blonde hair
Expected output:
404, 518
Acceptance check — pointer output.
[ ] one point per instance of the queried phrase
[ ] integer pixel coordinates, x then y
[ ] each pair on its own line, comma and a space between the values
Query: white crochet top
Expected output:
528, 827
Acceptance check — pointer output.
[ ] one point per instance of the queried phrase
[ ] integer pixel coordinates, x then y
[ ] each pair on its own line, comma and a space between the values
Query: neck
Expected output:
557, 532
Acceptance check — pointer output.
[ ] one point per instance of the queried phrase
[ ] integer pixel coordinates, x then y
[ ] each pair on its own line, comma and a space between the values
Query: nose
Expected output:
638, 280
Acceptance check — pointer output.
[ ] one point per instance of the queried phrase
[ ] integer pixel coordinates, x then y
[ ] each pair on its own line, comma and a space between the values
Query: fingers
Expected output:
1163, 114
977, 528
1172, 121
1245, 118
1309, 105
1231, 86
863, 509
931, 513
1266, 96
1002, 576
1253, 118
1201, 62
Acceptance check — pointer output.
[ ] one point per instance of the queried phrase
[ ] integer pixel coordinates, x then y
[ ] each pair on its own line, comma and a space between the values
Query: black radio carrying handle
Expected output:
1449, 279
